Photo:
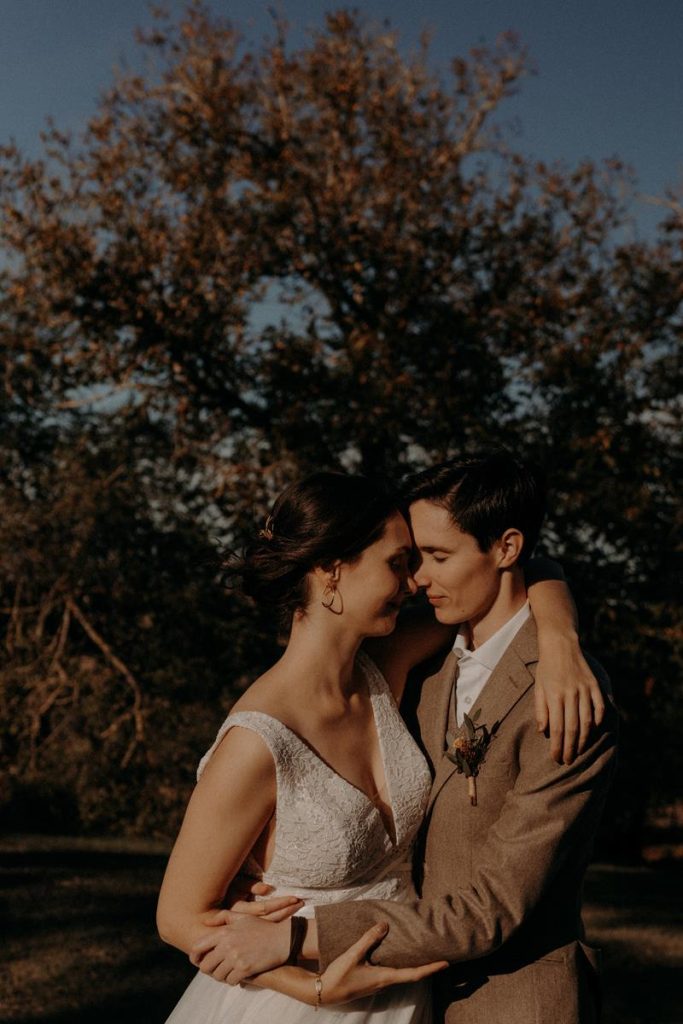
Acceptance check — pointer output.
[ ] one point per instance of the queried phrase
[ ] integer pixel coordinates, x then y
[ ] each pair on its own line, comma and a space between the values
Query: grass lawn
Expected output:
79, 944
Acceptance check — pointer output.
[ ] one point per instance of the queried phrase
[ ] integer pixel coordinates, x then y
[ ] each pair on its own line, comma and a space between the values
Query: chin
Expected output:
385, 626
448, 616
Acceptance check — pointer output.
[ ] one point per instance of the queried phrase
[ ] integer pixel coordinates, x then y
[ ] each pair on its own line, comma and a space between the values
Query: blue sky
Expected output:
609, 82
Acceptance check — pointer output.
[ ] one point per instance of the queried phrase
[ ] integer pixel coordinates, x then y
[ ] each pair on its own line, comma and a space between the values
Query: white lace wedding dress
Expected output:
331, 844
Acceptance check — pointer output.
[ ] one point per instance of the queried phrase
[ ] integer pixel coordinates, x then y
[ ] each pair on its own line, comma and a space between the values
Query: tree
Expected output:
437, 290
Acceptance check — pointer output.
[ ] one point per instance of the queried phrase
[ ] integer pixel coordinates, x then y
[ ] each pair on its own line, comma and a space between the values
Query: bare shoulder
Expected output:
242, 753
264, 694
273, 694
244, 750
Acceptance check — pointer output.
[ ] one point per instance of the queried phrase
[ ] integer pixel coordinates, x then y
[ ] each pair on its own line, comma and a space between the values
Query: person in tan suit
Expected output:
508, 832
501, 881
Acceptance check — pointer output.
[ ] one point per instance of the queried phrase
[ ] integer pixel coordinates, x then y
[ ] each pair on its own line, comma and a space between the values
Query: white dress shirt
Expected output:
475, 667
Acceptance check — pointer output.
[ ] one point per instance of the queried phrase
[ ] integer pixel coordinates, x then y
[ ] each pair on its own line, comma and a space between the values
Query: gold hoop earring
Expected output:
330, 595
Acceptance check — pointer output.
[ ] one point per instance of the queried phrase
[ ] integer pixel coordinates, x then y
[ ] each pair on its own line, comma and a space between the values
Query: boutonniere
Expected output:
467, 750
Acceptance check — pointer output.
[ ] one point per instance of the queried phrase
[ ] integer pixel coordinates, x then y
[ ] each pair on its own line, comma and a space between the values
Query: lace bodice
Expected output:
331, 842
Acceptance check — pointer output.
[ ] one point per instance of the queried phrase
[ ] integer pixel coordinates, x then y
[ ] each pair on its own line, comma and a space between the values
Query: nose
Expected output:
410, 586
419, 577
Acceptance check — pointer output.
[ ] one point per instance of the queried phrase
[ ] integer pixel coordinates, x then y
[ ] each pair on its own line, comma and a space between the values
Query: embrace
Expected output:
340, 859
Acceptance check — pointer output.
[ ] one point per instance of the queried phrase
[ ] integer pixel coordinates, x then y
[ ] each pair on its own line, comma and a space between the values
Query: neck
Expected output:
322, 657
510, 598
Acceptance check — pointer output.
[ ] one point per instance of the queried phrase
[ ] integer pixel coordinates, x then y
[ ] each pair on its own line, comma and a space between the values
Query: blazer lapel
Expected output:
508, 683
433, 711
510, 679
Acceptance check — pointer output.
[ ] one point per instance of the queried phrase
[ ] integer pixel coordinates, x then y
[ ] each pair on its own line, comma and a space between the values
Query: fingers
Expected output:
541, 706
556, 723
598, 701
260, 889
202, 946
219, 964
571, 728
237, 975
243, 889
210, 961
221, 972
238, 970
214, 918
403, 975
360, 949
244, 907
438, 965
585, 719
263, 908
282, 915
290, 903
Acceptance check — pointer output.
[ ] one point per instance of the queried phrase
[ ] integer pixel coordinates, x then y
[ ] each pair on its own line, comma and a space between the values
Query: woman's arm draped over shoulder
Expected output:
231, 805
569, 700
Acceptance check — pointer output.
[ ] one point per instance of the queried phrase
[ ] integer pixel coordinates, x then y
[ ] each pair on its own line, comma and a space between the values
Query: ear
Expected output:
509, 548
328, 574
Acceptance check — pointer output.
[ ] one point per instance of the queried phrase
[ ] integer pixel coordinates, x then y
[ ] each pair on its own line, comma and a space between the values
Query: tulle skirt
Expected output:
206, 1001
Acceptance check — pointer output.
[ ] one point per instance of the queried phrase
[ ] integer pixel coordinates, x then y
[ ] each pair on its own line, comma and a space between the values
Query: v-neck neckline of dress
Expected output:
369, 669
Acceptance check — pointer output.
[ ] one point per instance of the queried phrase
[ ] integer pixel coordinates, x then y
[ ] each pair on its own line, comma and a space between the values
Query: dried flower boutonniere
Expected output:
467, 750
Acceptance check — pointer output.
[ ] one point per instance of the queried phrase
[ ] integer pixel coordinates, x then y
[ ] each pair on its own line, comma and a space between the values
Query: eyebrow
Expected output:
431, 549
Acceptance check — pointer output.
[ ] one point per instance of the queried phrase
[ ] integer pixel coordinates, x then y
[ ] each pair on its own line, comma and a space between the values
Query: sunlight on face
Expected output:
460, 581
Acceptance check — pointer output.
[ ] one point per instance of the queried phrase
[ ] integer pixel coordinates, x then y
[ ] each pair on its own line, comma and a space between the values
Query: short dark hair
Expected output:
314, 522
485, 494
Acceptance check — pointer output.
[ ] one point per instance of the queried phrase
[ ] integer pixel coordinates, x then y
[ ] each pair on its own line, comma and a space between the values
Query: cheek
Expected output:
387, 587
470, 584
370, 595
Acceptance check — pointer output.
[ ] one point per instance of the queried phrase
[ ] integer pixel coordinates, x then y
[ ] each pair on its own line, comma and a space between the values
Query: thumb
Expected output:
360, 949
260, 889
214, 918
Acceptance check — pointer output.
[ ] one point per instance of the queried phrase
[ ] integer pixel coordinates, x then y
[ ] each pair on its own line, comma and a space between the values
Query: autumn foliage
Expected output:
431, 288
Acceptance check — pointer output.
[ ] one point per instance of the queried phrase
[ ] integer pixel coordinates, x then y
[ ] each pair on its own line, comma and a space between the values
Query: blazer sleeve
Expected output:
551, 812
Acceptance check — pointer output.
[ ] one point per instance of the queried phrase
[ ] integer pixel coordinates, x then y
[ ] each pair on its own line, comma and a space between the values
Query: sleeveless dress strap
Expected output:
271, 731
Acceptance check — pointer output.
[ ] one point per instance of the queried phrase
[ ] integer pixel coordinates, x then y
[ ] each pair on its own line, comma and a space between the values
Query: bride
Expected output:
314, 783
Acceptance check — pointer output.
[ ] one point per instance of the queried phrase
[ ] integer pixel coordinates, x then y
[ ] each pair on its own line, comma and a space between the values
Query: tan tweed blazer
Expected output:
500, 882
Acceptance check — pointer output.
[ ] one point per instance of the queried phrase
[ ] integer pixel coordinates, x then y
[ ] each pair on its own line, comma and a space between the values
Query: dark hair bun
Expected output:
324, 518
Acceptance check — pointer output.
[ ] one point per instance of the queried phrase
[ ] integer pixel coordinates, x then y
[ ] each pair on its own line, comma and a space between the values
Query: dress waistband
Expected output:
395, 886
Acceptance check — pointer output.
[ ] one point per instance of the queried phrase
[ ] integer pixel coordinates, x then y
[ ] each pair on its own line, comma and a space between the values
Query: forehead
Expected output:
432, 525
396, 532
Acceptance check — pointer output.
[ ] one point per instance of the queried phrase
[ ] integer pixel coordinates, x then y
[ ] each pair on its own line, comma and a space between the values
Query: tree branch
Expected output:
113, 659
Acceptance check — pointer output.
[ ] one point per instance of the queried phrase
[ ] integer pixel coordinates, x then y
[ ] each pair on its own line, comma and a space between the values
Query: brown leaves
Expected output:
260, 260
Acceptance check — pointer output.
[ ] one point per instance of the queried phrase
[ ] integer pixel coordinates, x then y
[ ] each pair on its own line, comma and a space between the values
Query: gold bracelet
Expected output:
318, 992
